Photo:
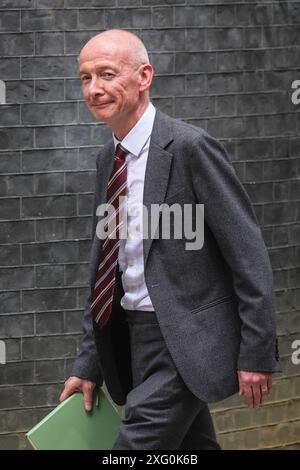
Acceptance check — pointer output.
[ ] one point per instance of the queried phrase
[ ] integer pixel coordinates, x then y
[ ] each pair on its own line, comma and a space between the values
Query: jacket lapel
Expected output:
157, 171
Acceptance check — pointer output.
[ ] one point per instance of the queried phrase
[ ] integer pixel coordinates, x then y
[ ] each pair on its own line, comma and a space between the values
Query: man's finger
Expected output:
248, 396
88, 401
70, 387
88, 395
65, 394
241, 385
257, 397
269, 383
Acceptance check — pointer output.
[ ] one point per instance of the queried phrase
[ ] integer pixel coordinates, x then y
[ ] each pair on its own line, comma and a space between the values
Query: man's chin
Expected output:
102, 113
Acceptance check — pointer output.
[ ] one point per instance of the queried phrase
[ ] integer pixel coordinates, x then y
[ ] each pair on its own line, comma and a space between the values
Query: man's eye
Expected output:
107, 75
84, 78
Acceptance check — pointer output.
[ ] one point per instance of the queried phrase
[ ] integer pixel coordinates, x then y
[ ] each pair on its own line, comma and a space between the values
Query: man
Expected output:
169, 329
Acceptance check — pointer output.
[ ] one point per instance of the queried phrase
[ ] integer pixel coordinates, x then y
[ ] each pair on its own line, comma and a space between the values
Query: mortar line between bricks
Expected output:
84, 216
242, 430
43, 195
168, 51
159, 5
283, 446
24, 289
266, 404
71, 358
40, 384
214, 27
249, 428
243, 408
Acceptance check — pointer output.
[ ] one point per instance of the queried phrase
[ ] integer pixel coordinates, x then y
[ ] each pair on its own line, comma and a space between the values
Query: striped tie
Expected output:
101, 305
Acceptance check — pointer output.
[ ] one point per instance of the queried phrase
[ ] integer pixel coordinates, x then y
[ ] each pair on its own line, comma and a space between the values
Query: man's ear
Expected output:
146, 75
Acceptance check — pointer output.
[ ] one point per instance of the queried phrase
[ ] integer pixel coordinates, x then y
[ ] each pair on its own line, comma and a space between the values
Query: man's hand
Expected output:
255, 386
75, 384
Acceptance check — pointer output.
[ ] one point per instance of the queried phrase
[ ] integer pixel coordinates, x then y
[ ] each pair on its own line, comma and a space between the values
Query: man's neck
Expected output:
122, 129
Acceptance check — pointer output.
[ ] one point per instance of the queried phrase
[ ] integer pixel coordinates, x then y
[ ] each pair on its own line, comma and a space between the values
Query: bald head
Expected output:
118, 42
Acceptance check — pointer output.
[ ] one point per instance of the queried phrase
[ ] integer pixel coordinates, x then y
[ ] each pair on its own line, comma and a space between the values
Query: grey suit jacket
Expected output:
215, 306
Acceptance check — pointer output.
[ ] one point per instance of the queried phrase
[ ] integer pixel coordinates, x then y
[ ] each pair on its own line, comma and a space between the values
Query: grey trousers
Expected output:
160, 412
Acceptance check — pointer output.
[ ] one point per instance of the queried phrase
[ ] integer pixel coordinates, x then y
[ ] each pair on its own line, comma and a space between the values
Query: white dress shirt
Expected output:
131, 255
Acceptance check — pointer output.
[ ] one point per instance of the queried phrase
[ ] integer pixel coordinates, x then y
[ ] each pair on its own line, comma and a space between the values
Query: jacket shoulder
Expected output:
189, 134
193, 137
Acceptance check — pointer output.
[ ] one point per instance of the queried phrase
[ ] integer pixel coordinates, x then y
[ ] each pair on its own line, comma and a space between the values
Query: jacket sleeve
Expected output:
87, 364
230, 217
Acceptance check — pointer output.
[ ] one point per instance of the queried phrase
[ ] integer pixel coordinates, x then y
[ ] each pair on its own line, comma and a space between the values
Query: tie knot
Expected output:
120, 152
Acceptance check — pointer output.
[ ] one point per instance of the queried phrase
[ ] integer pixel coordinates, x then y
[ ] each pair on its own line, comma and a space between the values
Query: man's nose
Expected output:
96, 87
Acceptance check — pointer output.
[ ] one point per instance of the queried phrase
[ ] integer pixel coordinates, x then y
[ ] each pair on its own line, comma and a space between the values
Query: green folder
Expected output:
70, 427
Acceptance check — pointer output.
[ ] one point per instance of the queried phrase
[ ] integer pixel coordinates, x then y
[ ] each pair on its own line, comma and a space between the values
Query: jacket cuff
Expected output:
255, 363
87, 372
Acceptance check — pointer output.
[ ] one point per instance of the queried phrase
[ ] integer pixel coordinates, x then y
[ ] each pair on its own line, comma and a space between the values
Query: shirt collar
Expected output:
136, 138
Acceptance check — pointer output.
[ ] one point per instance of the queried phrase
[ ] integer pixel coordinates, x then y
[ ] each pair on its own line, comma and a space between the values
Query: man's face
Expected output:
110, 83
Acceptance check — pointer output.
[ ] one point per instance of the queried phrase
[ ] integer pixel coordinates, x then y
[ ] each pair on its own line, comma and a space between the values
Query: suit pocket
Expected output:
213, 303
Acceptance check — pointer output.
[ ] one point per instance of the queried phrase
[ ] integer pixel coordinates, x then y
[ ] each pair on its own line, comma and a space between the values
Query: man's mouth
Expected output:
100, 105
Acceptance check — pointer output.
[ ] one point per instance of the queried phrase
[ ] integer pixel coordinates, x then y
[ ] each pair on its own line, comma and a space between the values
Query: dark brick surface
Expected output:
226, 66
